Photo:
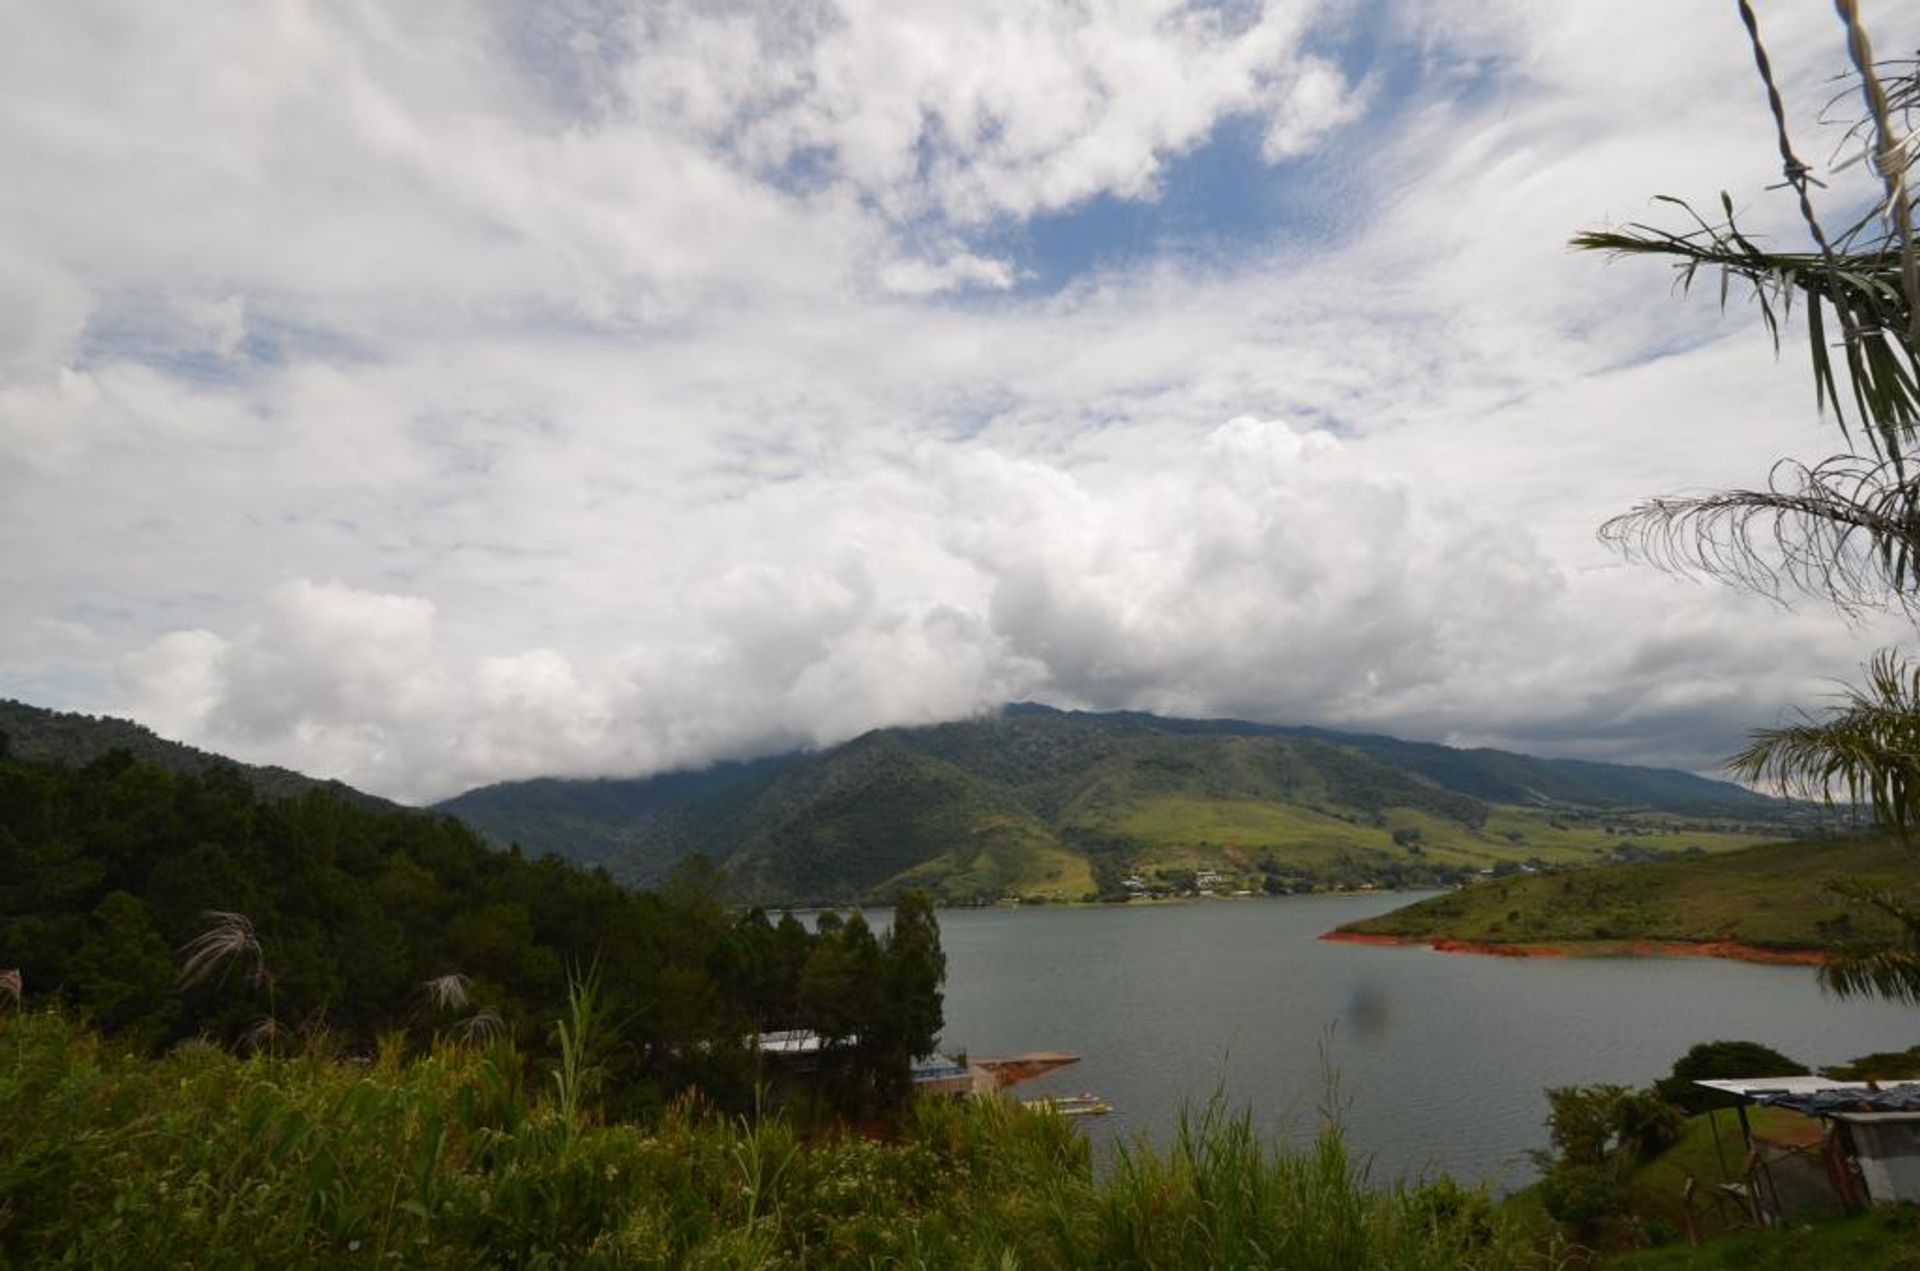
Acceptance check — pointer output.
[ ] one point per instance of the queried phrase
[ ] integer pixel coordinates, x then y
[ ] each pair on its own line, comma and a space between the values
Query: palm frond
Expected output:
1860, 294
1892, 974
1844, 530
1868, 745
1888, 970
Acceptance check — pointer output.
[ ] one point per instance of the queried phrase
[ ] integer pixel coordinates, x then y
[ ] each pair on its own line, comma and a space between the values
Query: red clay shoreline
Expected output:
1731, 949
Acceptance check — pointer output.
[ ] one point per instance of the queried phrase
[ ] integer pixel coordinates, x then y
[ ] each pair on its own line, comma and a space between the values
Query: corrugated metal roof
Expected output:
1821, 1096
1753, 1087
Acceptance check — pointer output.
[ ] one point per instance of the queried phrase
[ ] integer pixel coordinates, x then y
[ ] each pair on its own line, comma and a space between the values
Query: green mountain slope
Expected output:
61, 737
641, 829
1497, 776
1042, 803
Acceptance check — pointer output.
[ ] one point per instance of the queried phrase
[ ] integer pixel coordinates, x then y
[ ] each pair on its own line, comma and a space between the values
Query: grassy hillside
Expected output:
1771, 896
1045, 804
465, 1157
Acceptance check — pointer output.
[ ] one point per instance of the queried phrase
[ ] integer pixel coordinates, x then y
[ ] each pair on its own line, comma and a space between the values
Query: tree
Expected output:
1847, 528
1710, 1060
1599, 1133
911, 1012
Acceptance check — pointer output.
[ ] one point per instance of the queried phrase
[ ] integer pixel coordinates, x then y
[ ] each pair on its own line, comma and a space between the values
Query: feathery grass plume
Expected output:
231, 936
482, 1028
264, 1035
449, 992
13, 985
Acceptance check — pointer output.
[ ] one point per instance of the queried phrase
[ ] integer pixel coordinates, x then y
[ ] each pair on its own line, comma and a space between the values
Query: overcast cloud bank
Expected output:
424, 398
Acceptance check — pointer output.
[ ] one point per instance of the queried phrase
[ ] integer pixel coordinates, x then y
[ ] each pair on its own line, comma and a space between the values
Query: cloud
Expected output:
970, 112
1268, 571
427, 400
1320, 101
963, 269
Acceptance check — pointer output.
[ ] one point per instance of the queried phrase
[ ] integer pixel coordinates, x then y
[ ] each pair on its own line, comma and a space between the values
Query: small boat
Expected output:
1084, 1104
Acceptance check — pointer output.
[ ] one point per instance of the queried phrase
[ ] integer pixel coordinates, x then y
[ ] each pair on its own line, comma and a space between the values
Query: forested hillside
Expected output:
1041, 803
29, 732
167, 906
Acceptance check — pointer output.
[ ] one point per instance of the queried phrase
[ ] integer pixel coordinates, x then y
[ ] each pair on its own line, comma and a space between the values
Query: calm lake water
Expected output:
1441, 1058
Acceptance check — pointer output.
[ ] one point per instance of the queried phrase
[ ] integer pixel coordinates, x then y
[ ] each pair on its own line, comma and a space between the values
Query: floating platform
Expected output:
1084, 1104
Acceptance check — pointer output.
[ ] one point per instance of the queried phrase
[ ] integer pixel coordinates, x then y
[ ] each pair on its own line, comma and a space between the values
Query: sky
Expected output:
434, 394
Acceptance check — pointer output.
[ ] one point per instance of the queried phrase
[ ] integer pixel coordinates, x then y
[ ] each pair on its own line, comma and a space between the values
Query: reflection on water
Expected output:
1438, 1059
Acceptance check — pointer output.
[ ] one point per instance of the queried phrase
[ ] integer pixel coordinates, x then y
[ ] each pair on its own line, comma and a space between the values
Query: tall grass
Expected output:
453, 1158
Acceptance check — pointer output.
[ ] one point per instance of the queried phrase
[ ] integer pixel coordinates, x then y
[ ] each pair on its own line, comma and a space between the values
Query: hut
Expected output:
1869, 1151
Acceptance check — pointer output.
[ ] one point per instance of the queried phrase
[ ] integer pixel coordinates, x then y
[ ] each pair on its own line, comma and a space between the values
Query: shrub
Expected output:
1721, 1059
1587, 1198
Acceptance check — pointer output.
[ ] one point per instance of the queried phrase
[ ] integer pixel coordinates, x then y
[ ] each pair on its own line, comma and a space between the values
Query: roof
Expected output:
1822, 1096
937, 1068
795, 1041
1754, 1087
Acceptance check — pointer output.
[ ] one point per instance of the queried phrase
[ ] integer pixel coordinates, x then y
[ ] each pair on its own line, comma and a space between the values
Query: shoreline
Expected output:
1732, 950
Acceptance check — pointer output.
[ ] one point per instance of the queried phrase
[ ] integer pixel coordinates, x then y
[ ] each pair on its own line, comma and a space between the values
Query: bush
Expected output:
1718, 1060
1598, 1134
1882, 1065
1587, 1198
1607, 1125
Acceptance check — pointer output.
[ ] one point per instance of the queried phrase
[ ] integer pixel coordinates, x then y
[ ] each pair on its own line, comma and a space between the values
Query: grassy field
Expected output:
1184, 831
1003, 858
1657, 1188
1771, 895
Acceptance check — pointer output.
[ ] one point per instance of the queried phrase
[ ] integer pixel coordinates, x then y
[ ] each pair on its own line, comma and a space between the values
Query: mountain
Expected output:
60, 737
1044, 803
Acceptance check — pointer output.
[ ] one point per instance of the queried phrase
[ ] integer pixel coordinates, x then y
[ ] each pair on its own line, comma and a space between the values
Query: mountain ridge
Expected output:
1047, 803
75, 738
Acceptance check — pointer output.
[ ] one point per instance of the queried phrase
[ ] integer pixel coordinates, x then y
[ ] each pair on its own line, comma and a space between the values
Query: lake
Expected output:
1440, 1058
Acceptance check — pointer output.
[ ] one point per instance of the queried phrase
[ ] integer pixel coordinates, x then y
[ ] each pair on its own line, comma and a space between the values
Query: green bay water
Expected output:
1440, 1058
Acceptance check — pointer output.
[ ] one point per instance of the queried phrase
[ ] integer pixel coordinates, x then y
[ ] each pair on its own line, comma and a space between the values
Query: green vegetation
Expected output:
1871, 1242
1629, 1169
1769, 896
58, 737
1884, 1065
169, 907
1599, 1133
458, 1156
1043, 804
1720, 1061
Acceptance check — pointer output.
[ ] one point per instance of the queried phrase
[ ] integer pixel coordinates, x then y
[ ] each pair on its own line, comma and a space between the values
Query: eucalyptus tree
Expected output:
1844, 529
